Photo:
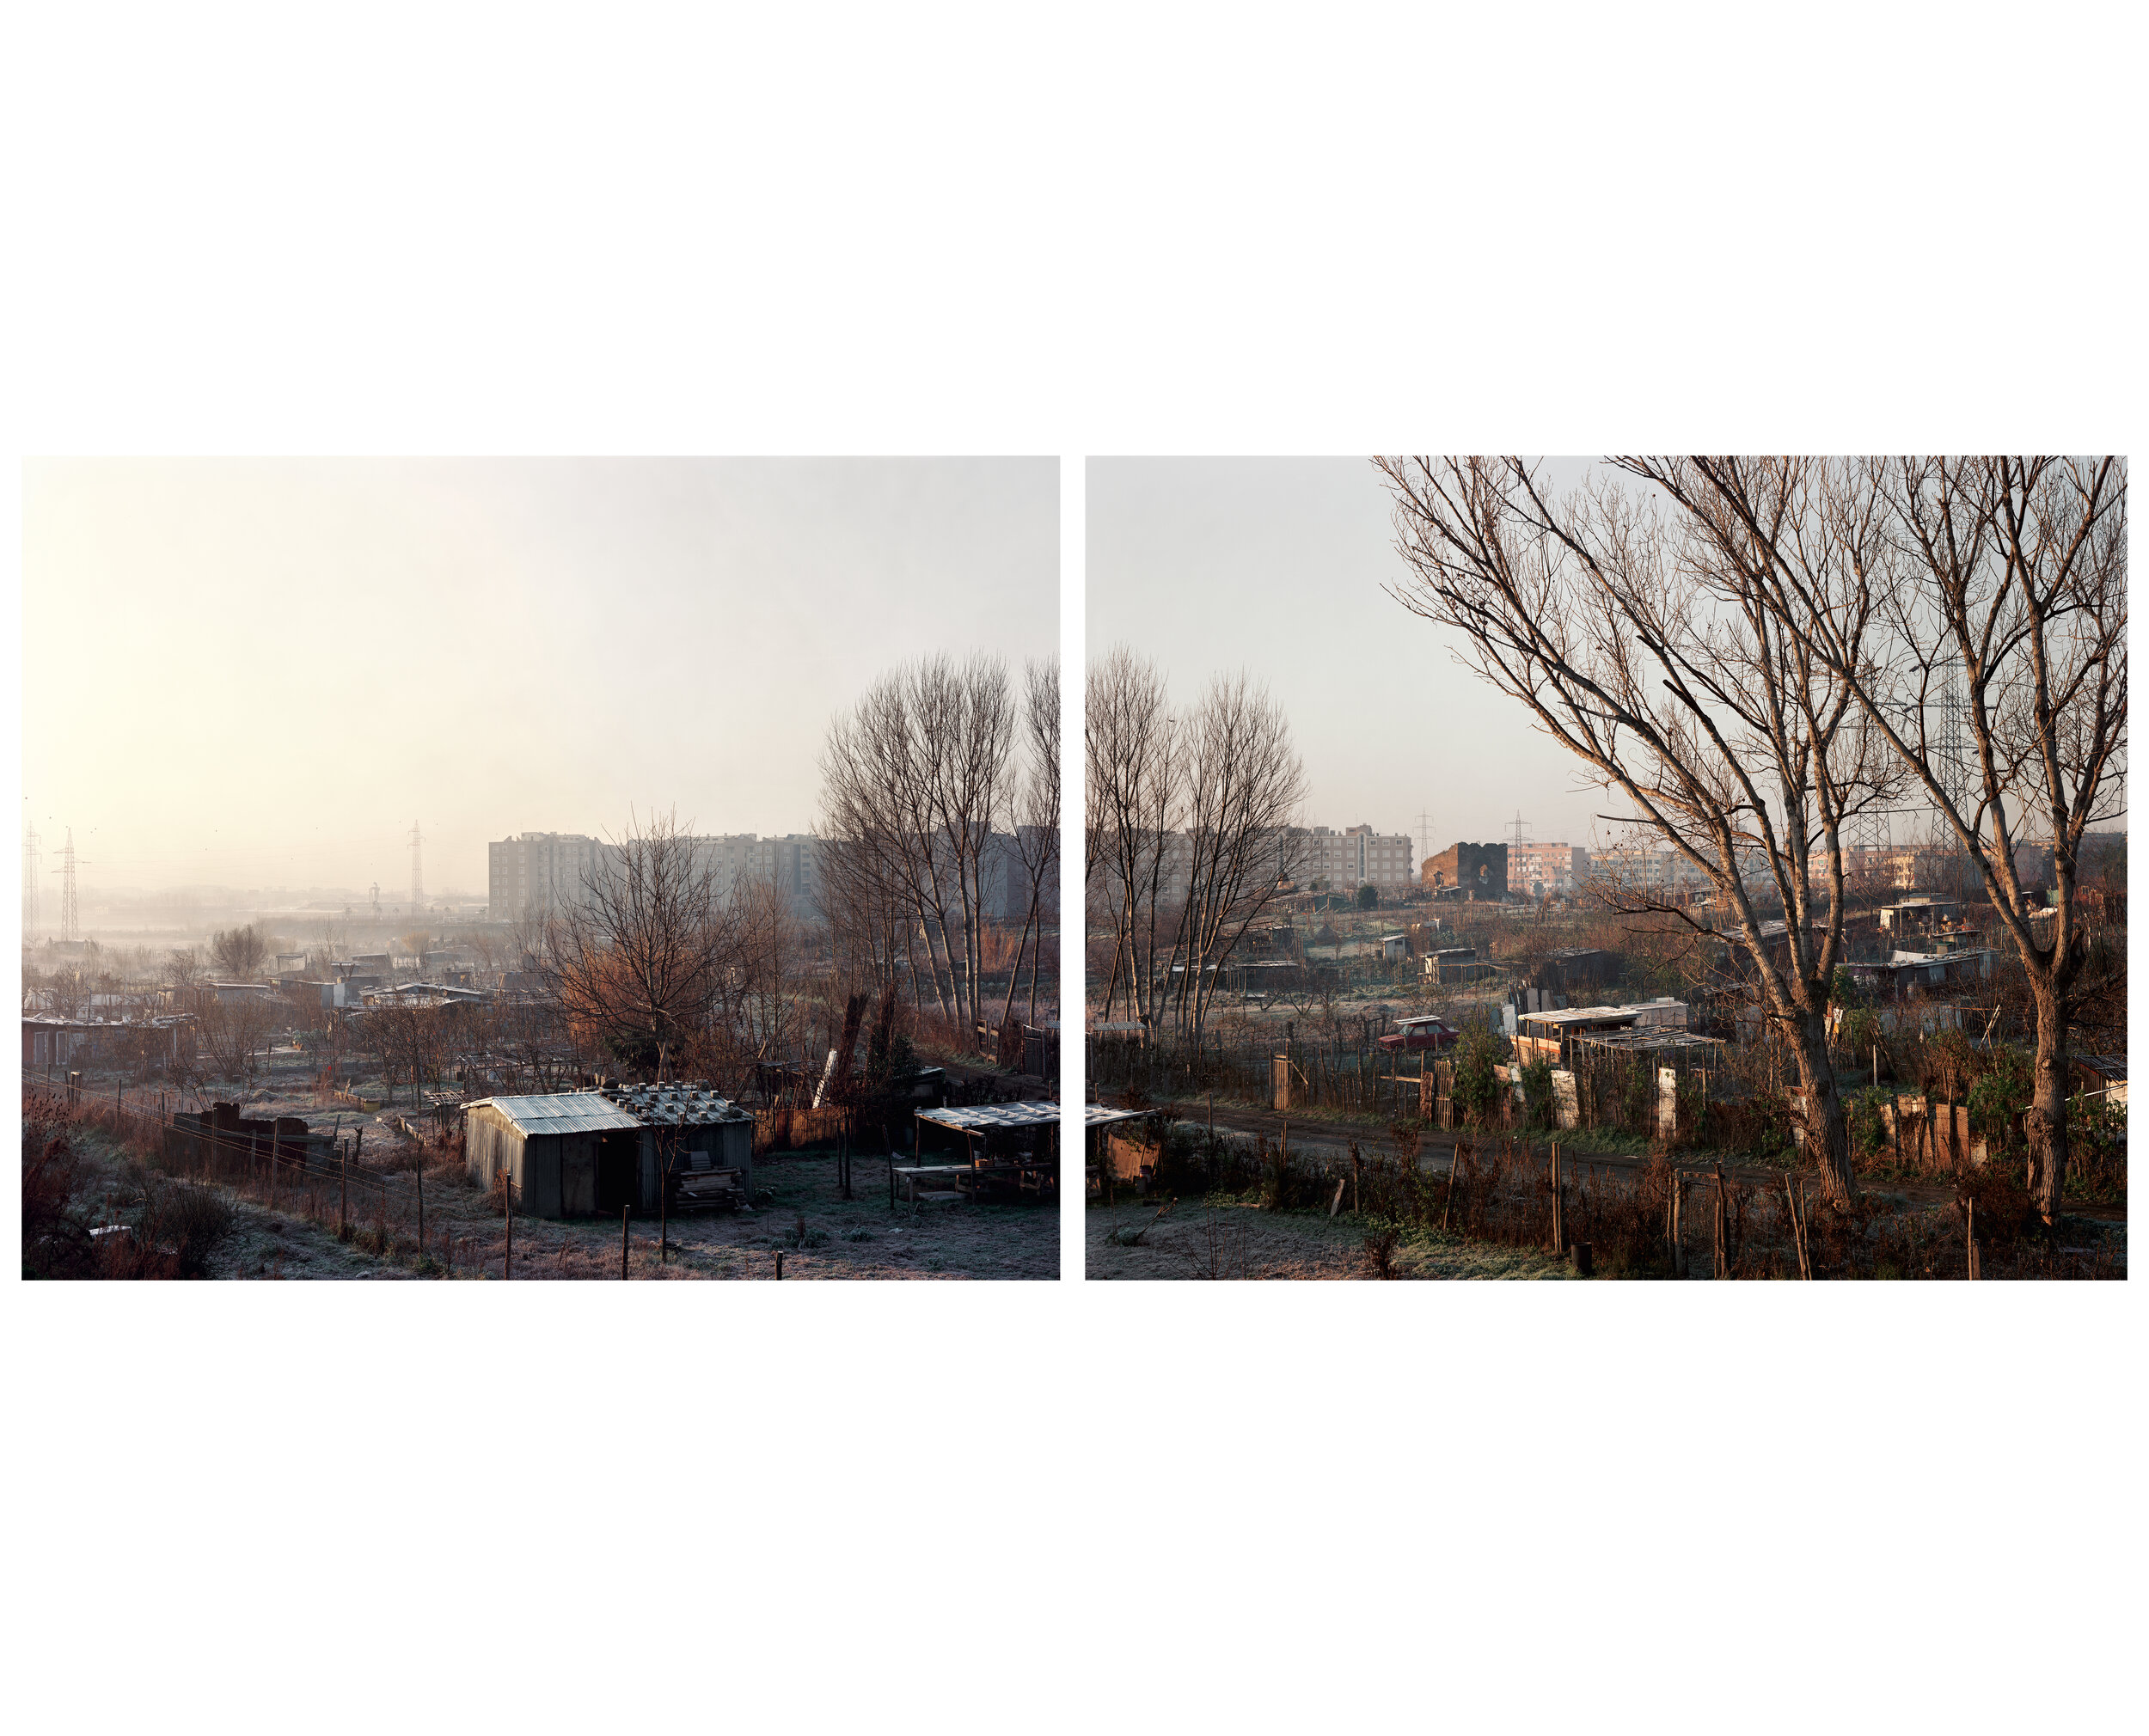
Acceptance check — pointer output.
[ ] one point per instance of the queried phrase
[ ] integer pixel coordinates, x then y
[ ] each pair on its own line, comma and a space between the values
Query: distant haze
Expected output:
1277, 566
260, 673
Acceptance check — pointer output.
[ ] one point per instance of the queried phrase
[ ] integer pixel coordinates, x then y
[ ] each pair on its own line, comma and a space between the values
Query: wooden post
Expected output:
1354, 1178
1723, 1229
622, 1241
1973, 1239
1678, 1225
343, 1194
507, 1259
779, 1265
421, 1206
664, 1217
1559, 1227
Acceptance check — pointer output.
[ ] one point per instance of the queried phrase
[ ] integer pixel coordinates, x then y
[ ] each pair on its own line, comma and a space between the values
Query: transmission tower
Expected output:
32, 872
373, 895
1520, 828
417, 871
70, 914
1424, 840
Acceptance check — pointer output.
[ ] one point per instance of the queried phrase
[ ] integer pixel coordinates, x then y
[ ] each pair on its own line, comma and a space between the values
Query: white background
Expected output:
1114, 229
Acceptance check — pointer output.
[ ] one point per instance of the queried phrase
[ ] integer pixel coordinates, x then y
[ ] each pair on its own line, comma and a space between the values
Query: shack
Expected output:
566, 1155
686, 1129
1550, 1037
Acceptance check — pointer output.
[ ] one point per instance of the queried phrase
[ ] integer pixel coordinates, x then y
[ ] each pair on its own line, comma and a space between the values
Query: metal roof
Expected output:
1585, 1015
563, 1112
674, 1106
1097, 1115
985, 1117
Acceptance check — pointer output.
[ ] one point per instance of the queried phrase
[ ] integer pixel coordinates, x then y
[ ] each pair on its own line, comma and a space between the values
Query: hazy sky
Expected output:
260, 673
1276, 566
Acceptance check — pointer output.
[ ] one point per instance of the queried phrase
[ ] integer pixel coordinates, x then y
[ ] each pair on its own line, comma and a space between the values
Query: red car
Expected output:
1428, 1032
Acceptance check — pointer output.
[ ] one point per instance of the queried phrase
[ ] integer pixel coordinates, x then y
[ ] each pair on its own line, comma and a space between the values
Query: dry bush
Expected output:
56, 1239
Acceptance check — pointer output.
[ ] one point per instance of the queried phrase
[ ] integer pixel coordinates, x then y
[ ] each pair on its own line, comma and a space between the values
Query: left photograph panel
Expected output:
540, 869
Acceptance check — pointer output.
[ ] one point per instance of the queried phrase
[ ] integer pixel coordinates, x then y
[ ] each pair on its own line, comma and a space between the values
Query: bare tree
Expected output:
238, 953
2007, 576
1134, 796
1652, 652
231, 1032
1244, 781
638, 962
184, 968
1037, 832
913, 780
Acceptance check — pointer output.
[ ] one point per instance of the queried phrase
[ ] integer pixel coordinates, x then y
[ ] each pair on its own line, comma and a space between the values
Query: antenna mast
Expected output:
417, 873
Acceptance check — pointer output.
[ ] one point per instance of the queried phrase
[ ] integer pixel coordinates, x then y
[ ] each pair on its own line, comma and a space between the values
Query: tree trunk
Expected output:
2046, 1124
1827, 1133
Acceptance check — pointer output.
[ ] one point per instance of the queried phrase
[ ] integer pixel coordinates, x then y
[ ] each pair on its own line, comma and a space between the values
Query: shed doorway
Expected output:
618, 1157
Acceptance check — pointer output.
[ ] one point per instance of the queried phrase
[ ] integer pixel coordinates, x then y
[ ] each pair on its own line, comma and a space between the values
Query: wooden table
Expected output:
912, 1175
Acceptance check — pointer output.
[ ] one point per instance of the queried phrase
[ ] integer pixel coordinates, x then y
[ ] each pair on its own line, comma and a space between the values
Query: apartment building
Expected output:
537, 872
1357, 856
1546, 871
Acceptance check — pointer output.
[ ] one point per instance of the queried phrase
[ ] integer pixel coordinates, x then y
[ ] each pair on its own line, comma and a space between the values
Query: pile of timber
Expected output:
715, 1187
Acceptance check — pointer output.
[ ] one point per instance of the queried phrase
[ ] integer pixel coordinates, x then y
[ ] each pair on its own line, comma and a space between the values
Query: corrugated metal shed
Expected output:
569, 1112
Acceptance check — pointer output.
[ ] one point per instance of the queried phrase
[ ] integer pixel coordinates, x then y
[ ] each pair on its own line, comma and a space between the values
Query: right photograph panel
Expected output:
1641, 867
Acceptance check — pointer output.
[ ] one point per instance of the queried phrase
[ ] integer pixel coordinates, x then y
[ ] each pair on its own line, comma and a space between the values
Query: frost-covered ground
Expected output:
820, 1234
1233, 1241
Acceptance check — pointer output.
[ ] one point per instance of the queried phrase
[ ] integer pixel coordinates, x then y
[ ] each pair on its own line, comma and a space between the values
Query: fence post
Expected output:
421, 1205
507, 1259
1559, 1227
343, 1194
1722, 1230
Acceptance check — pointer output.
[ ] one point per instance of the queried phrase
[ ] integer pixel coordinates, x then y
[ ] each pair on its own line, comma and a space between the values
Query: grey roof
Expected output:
674, 1106
563, 1112
1586, 1015
983, 1117
1097, 1115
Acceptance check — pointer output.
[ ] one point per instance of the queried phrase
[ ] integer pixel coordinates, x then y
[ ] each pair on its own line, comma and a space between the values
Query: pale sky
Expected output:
260, 673
1276, 566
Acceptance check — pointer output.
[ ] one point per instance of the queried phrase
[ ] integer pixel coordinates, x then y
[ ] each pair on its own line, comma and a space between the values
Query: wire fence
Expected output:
319, 1177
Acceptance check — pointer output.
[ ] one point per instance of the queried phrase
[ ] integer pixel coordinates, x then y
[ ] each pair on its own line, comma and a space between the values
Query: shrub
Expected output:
2002, 1093
1537, 1093
1478, 1055
187, 1220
